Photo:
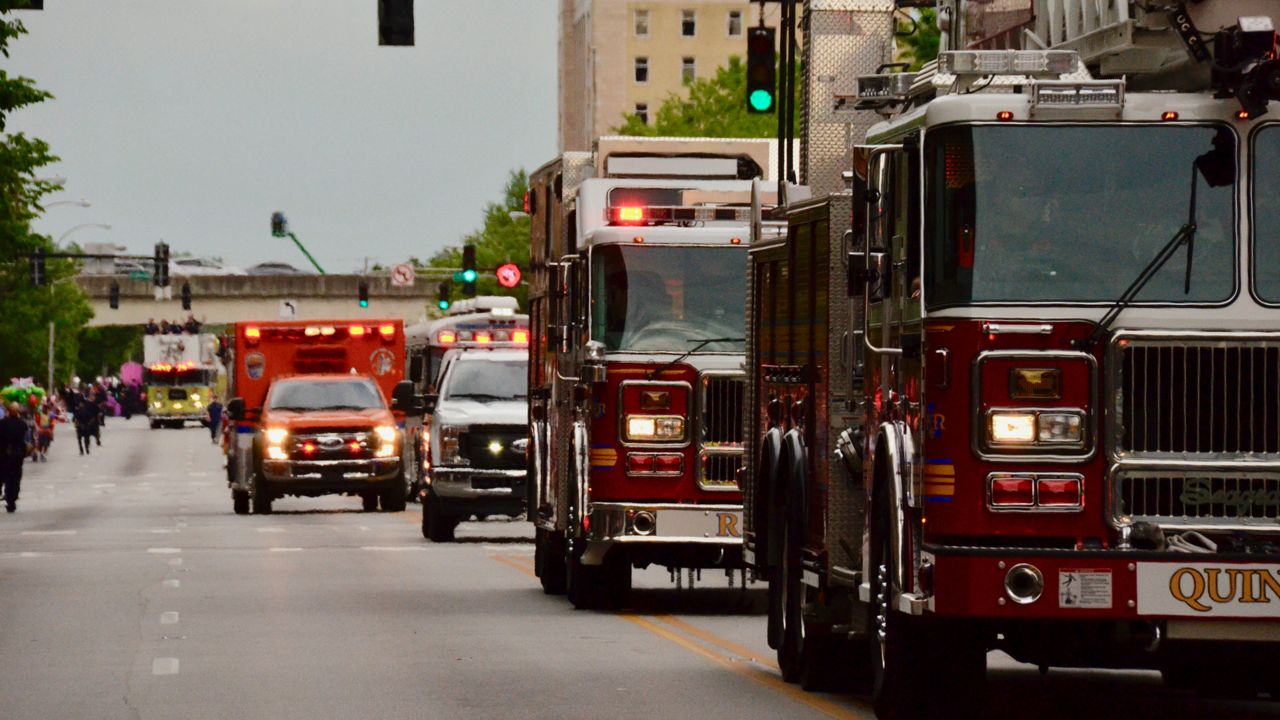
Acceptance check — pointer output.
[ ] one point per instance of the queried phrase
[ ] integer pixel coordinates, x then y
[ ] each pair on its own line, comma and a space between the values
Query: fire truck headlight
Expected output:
276, 435
157, 404
1012, 428
1061, 427
655, 427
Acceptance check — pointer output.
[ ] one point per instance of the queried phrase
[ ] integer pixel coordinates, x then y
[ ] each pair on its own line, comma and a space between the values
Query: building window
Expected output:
688, 70
688, 23
642, 69
642, 112
735, 23
642, 23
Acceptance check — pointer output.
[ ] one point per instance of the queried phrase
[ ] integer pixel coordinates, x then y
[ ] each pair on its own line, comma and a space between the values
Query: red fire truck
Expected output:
317, 408
636, 311
1020, 388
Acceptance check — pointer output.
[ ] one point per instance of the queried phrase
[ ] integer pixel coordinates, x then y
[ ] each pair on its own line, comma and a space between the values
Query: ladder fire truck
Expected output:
636, 380
1018, 387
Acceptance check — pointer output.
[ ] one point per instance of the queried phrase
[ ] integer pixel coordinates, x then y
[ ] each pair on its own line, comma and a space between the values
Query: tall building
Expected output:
619, 57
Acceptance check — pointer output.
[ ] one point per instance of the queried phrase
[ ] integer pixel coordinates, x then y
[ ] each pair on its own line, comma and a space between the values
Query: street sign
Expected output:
402, 275
508, 275
288, 309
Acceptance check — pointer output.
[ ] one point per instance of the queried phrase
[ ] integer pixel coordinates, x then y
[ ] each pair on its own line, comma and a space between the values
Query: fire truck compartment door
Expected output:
698, 523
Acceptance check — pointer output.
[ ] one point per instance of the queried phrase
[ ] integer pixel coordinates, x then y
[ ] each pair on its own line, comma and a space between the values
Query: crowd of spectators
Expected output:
190, 327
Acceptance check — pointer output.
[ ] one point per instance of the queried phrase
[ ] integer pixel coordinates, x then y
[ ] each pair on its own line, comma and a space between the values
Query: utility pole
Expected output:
49, 387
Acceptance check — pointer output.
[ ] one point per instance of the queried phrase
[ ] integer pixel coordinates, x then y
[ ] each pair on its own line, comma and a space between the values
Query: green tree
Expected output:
918, 37
715, 107
104, 349
26, 311
501, 239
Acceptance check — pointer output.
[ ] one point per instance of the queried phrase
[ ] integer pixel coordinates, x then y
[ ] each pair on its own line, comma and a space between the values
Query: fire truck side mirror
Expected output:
235, 408
872, 281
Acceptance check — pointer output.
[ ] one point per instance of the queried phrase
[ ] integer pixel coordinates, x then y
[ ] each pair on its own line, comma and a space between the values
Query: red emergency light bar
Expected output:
446, 337
659, 214
169, 367
356, 331
387, 331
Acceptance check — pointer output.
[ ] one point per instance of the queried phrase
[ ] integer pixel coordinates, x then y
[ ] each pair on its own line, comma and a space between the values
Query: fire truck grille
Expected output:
721, 432
1198, 398
497, 447
1205, 499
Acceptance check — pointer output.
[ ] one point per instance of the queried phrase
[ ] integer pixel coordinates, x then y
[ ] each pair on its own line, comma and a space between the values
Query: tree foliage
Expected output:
715, 107
104, 349
26, 311
501, 239
918, 38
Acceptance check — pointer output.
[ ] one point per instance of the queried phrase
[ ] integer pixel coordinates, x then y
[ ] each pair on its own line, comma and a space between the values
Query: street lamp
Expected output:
104, 226
78, 203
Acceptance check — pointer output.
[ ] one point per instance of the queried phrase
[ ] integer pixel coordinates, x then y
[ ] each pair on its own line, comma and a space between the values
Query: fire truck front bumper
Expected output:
674, 534
1192, 592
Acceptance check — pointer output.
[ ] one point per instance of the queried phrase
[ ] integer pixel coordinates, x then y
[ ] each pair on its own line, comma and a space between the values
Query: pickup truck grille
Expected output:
720, 439
495, 447
335, 445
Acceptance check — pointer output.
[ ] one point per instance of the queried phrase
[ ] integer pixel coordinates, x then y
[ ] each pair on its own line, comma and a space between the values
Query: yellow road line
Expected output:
509, 562
713, 639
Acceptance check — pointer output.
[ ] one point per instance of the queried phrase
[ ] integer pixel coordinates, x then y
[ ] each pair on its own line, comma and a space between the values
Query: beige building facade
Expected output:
622, 57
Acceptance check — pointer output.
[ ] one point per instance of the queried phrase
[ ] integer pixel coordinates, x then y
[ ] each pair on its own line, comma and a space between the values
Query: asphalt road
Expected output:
128, 589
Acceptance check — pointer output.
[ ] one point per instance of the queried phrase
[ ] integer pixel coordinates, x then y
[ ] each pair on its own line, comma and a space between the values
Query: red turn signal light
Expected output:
639, 464
1059, 493
1012, 491
655, 463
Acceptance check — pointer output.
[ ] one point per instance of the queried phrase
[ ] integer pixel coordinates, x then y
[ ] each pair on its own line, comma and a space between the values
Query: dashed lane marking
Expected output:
270, 530
164, 666
102, 486
48, 532
173, 583
169, 618
164, 551
26, 554
284, 549
393, 548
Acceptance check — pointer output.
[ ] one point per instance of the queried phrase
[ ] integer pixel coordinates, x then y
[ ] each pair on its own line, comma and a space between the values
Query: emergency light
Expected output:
1008, 62
659, 214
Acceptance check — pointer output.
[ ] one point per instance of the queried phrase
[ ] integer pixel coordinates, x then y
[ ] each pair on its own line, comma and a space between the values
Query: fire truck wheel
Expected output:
597, 587
240, 502
807, 655
548, 561
369, 501
155, 424
261, 499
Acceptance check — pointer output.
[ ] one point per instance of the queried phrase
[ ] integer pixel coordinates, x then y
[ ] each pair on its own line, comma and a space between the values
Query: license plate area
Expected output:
491, 483
1209, 590
699, 524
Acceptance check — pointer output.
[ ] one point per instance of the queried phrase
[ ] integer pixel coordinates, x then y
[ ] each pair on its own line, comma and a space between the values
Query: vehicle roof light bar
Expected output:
884, 90
660, 214
1040, 63
1093, 95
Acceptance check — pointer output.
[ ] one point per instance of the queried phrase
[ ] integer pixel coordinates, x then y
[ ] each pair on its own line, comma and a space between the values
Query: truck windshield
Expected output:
195, 376
487, 380
1070, 214
1266, 214
667, 298
313, 395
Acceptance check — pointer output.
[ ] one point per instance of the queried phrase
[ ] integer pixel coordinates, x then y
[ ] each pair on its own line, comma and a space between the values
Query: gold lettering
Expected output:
1267, 581
1214, 595
1246, 585
1197, 589
728, 525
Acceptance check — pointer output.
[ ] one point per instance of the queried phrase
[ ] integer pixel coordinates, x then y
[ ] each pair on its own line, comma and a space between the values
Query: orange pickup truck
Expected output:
317, 408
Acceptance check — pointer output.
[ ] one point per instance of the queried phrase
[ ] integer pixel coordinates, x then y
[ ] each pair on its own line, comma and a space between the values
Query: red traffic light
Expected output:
508, 275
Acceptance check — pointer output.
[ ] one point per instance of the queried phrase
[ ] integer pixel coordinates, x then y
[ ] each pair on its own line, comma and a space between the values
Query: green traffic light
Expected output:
761, 100
468, 275
443, 304
364, 303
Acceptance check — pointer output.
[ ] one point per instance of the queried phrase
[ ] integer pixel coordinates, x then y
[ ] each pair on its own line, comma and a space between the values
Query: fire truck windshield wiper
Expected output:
701, 344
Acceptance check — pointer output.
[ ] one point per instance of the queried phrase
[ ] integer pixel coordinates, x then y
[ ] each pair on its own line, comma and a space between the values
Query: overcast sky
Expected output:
192, 120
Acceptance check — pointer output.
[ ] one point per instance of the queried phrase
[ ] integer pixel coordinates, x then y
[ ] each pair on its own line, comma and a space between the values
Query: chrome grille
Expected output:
720, 438
1199, 498
1198, 398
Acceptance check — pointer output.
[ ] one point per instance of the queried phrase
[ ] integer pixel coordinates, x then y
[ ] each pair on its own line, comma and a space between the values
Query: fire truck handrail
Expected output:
875, 151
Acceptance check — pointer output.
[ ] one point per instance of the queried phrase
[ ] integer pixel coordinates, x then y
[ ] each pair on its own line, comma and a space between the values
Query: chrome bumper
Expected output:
661, 524
331, 470
460, 482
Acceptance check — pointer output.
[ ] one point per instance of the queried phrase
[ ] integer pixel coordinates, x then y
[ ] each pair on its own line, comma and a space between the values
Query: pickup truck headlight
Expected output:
277, 435
451, 446
387, 435
655, 428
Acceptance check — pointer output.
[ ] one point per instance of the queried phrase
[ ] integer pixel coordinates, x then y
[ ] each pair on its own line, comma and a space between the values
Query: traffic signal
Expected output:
37, 267
762, 81
113, 299
469, 270
186, 296
442, 296
395, 22
279, 225
364, 294
161, 276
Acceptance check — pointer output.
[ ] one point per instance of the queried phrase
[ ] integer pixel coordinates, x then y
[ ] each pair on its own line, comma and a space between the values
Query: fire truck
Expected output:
317, 408
1018, 387
635, 361
180, 375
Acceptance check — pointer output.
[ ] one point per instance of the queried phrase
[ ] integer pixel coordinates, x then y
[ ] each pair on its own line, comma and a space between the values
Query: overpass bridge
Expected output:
221, 299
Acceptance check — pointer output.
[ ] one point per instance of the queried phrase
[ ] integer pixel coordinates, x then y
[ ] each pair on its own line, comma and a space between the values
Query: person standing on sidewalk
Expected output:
13, 451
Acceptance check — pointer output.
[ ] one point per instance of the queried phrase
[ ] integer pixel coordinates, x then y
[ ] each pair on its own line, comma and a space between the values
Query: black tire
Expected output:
262, 498
369, 501
155, 424
548, 561
436, 525
597, 587
394, 500
806, 655
776, 599
240, 502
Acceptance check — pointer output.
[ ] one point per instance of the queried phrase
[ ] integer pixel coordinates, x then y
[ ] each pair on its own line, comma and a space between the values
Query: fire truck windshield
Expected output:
1070, 214
305, 395
1266, 214
487, 380
185, 376
667, 298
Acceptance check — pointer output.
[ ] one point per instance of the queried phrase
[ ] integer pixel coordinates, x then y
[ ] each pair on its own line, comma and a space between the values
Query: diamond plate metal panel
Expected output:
842, 40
